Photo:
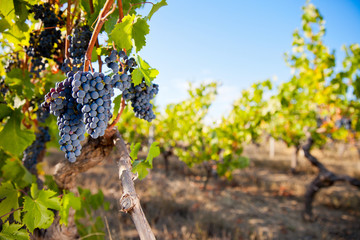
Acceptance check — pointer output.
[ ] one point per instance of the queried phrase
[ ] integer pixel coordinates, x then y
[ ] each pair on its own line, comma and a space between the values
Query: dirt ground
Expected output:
263, 201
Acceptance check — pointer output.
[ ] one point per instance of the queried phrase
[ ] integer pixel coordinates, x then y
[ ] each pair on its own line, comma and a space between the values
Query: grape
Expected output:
42, 43
79, 42
65, 107
31, 153
140, 97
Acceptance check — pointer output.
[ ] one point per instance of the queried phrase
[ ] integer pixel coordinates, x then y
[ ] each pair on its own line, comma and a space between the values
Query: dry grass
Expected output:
263, 201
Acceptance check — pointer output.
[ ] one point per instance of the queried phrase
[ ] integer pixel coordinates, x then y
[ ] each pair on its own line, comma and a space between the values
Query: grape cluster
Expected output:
344, 122
13, 62
140, 97
93, 92
42, 114
69, 117
78, 46
42, 43
31, 153
82, 102
3, 87
122, 70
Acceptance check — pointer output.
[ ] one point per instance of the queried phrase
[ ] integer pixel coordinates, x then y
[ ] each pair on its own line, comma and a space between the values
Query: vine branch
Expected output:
129, 201
101, 20
116, 120
134, 4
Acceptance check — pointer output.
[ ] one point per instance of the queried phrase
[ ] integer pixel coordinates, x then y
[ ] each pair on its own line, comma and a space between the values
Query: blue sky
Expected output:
234, 42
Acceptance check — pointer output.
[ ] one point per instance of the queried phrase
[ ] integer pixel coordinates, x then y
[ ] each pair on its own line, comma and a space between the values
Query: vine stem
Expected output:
131, 5
11, 212
129, 201
116, 120
97, 39
67, 29
121, 13
102, 17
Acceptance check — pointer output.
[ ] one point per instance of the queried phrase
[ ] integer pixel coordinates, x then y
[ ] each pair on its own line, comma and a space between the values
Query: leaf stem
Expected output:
11, 212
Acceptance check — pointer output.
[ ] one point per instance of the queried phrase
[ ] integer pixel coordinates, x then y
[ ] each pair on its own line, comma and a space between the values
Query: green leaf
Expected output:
20, 81
156, 7
110, 23
21, 11
140, 29
50, 183
15, 171
34, 190
117, 103
122, 33
7, 9
4, 25
37, 210
13, 231
68, 200
154, 151
134, 149
20, 138
5, 111
143, 71
141, 167
10, 202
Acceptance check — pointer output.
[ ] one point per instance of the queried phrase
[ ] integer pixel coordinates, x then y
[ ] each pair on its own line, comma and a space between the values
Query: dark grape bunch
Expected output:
69, 117
122, 70
140, 97
344, 122
31, 153
14, 62
93, 92
78, 46
42, 43
82, 102
3, 88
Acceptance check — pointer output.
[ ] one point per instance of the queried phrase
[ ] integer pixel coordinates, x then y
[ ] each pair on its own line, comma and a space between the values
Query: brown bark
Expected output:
93, 152
129, 200
295, 159
325, 178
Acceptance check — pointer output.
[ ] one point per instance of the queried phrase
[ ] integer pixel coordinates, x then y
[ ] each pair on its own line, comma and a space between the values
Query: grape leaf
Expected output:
117, 103
122, 33
141, 167
68, 200
7, 9
13, 231
20, 139
140, 29
20, 81
156, 7
4, 25
154, 151
134, 149
143, 71
4, 111
10, 202
15, 171
37, 210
